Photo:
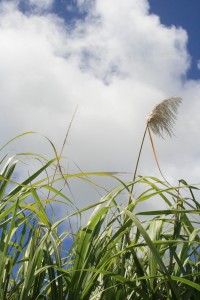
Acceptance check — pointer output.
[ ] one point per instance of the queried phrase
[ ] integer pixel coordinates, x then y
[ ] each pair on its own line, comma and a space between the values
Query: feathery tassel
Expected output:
162, 118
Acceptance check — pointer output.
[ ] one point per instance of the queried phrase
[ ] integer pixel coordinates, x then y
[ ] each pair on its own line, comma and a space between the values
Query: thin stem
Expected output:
58, 166
137, 163
155, 155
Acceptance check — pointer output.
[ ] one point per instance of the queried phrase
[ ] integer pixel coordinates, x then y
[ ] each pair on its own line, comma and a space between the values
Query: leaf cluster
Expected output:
122, 252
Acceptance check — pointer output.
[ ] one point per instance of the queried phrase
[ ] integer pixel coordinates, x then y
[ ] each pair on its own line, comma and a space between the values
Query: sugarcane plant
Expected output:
124, 251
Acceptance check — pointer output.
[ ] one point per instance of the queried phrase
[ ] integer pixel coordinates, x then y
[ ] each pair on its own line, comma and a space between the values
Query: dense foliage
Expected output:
123, 252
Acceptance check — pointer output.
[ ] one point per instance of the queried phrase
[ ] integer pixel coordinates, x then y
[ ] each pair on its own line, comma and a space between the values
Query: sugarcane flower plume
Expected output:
162, 118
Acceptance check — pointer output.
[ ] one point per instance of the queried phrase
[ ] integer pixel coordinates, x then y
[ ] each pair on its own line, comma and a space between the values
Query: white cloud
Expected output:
116, 65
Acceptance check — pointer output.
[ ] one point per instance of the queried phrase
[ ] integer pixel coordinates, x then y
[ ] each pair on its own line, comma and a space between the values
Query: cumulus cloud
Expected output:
115, 64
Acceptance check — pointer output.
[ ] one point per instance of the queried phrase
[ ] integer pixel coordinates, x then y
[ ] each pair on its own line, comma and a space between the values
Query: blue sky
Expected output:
114, 59
182, 13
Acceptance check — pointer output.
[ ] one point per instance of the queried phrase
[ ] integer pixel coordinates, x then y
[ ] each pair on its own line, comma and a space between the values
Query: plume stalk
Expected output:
161, 122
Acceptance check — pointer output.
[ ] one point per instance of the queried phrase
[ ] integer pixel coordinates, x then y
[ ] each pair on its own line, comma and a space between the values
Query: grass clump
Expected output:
122, 252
